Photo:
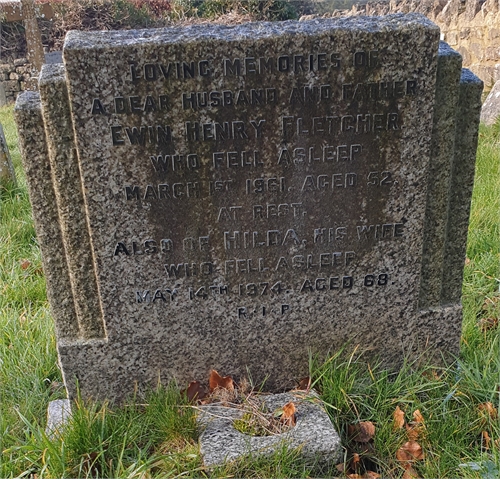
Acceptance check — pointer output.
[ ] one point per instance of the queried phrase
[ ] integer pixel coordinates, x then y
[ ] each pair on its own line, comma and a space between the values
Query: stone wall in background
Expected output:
15, 76
471, 27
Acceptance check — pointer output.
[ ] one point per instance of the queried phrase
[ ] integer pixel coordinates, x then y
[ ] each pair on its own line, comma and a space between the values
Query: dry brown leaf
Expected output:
355, 462
413, 432
355, 476
304, 384
410, 451
488, 323
432, 375
371, 475
409, 473
217, 381
416, 429
399, 418
417, 417
288, 416
195, 391
361, 432
25, 264
486, 439
341, 467
436, 376
488, 408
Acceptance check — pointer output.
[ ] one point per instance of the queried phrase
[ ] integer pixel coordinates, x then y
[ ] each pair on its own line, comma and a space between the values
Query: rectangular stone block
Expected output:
438, 186
11, 85
36, 163
461, 184
241, 197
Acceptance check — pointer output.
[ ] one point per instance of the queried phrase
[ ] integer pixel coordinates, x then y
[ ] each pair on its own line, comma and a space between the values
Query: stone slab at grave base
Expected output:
313, 436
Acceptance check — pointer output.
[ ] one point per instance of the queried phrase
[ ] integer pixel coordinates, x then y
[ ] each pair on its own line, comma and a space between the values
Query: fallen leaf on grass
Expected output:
417, 417
399, 418
490, 301
409, 473
486, 324
25, 264
486, 439
488, 408
371, 475
416, 429
217, 381
410, 451
366, 475
195, 391
342, 467
361, 432
432, 375
412, 433
288, 415
355, 462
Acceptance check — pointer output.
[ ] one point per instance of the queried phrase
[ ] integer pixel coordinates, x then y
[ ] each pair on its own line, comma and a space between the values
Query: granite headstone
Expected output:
240, 197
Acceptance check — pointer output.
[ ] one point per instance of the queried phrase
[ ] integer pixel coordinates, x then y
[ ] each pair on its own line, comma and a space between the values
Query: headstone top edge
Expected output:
82, 40
52, 72
469, 77
28, 100
445, 49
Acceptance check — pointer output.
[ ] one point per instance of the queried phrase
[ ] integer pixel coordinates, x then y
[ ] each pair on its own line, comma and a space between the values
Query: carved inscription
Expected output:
287, 183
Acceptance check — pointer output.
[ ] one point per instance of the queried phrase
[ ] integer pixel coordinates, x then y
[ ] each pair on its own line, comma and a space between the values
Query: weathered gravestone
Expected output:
491, 106
7, 173
240, 197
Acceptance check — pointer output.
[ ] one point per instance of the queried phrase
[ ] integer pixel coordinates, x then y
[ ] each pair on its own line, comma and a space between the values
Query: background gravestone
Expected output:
7, 173
491, 107
238, 198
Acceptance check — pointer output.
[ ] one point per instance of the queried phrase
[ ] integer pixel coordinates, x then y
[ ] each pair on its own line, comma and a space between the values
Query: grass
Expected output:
156, 436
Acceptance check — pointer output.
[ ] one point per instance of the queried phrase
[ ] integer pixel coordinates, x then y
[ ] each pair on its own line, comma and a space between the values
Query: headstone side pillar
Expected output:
462, 182
35, 155
442, 148
70, 200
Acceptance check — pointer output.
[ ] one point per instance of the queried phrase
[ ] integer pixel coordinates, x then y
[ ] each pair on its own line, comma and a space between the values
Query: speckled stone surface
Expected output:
461, 184
313, 436
58, 415
70, 200
35, 156
438, 186
238, 198
7, 172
